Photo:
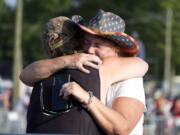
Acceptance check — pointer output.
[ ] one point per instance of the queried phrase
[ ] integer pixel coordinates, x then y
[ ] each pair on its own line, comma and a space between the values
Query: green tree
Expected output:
147, 18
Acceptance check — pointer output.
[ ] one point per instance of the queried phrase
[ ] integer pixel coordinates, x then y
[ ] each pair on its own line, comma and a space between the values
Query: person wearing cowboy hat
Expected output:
105, 38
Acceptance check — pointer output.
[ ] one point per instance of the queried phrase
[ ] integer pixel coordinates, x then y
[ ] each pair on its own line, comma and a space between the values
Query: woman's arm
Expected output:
44, 68
115, 69
119, 120
119, 68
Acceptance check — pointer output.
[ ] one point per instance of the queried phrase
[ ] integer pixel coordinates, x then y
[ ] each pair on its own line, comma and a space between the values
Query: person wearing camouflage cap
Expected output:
97, 107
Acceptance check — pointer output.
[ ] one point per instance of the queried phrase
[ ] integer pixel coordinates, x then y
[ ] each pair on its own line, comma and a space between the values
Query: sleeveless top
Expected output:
77, 121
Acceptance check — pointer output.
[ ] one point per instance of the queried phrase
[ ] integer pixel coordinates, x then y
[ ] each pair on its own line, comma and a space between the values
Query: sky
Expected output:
11, 3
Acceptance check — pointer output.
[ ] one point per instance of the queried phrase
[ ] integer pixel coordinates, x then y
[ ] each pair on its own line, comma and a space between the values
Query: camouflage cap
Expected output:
60, 36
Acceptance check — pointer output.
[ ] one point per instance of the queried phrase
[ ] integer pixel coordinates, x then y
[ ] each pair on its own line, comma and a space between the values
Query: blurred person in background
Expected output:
122, 98
23, 102
5, 97
175, 110
163, 116
5, 94
160, 103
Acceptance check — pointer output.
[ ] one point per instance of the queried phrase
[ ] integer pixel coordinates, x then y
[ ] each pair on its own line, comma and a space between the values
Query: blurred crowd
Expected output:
13, 118
163, 114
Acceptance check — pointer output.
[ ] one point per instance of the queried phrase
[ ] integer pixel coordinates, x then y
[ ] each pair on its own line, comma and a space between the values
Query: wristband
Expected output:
89, 101
90, 97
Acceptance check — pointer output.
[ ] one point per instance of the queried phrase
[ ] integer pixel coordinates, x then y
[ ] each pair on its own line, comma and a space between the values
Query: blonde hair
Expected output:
68, 37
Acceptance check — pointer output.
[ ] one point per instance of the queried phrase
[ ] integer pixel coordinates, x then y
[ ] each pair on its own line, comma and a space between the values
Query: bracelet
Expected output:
89, 101
90, 98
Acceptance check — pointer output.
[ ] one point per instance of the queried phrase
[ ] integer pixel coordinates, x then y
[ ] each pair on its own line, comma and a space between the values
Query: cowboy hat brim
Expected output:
127, 44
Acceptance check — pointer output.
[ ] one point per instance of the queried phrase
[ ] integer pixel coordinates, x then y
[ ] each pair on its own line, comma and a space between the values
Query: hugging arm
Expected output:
44, 68
119, 68
118, 120
116, 69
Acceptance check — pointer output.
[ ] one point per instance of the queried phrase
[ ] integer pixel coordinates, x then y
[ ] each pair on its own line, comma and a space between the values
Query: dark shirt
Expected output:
77, 121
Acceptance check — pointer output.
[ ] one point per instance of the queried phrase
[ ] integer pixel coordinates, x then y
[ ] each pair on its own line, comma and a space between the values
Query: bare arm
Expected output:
118, 120
40, 70
123, 118
44, 68
116, 69
120, 68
